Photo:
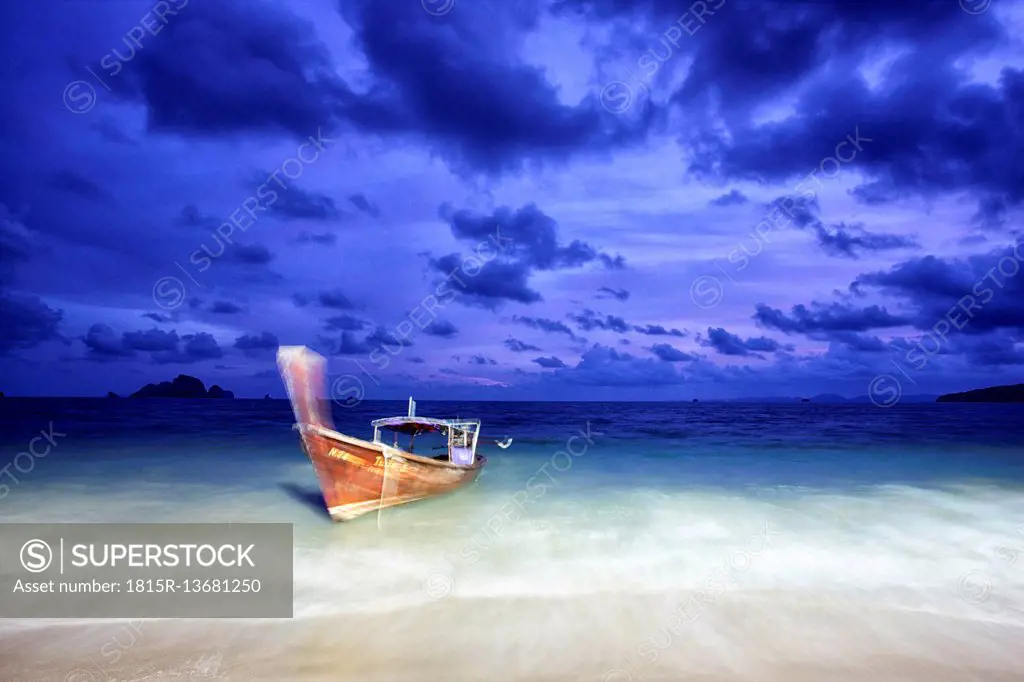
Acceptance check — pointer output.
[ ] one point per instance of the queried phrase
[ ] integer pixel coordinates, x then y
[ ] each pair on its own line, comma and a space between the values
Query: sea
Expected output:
613, 542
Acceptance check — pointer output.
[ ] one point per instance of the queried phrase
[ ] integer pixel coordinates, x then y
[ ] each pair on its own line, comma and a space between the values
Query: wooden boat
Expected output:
358, 476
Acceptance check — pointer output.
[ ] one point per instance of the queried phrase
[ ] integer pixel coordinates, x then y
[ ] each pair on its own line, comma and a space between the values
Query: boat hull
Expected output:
358, 477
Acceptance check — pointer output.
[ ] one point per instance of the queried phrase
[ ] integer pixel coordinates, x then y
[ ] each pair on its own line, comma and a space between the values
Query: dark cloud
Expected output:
605, 366
251, 254
255, 345
489, 285
517, 346
26, 321
473, 74
348, 344
345, 322
75, 183
969, 309
103, 343
589, 320
16, 245
477, 360
841, 240
667, 353
976, 294
218, 69
851, 241
442, 328
858, 342
832, 317
191, 216
658, 330
526, 235
334, 298
294, 203
731, 344
616, 262
991, 212
198, 347
150, 341
798, 211
620, 294
993, 350
929, 129
550, 362
363, 204
386, 339
163, 347
508, 247
225, 308
733, 198
545, 325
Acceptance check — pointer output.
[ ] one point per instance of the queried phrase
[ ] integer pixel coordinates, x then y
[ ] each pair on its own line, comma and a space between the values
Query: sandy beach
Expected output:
751, 636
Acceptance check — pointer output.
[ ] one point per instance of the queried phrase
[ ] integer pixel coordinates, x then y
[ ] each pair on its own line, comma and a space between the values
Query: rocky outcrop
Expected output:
183, 386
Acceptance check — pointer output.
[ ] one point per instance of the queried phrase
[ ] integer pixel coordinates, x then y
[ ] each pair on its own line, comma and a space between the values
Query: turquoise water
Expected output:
915, 507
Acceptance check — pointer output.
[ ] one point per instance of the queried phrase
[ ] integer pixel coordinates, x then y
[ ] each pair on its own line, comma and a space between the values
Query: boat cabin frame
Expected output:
462, 434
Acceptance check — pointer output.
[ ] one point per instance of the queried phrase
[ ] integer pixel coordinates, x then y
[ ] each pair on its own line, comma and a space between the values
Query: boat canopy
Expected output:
414, 426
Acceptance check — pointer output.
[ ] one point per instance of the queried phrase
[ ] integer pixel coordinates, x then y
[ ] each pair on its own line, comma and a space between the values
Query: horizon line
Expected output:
748, 399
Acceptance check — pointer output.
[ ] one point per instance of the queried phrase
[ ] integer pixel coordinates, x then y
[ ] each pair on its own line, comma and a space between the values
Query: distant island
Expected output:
183, 386
993, 394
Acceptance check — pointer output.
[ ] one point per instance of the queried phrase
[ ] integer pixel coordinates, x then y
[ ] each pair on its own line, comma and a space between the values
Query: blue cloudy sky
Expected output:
515, 199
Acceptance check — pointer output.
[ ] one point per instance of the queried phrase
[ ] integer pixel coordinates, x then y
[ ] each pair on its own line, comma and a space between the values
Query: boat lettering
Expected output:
348, 457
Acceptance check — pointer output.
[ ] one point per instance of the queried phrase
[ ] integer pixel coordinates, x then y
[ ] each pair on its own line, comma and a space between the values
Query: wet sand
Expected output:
743, 636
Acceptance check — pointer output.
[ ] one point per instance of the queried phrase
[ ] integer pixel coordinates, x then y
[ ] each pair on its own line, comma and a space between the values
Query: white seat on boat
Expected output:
462, 456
